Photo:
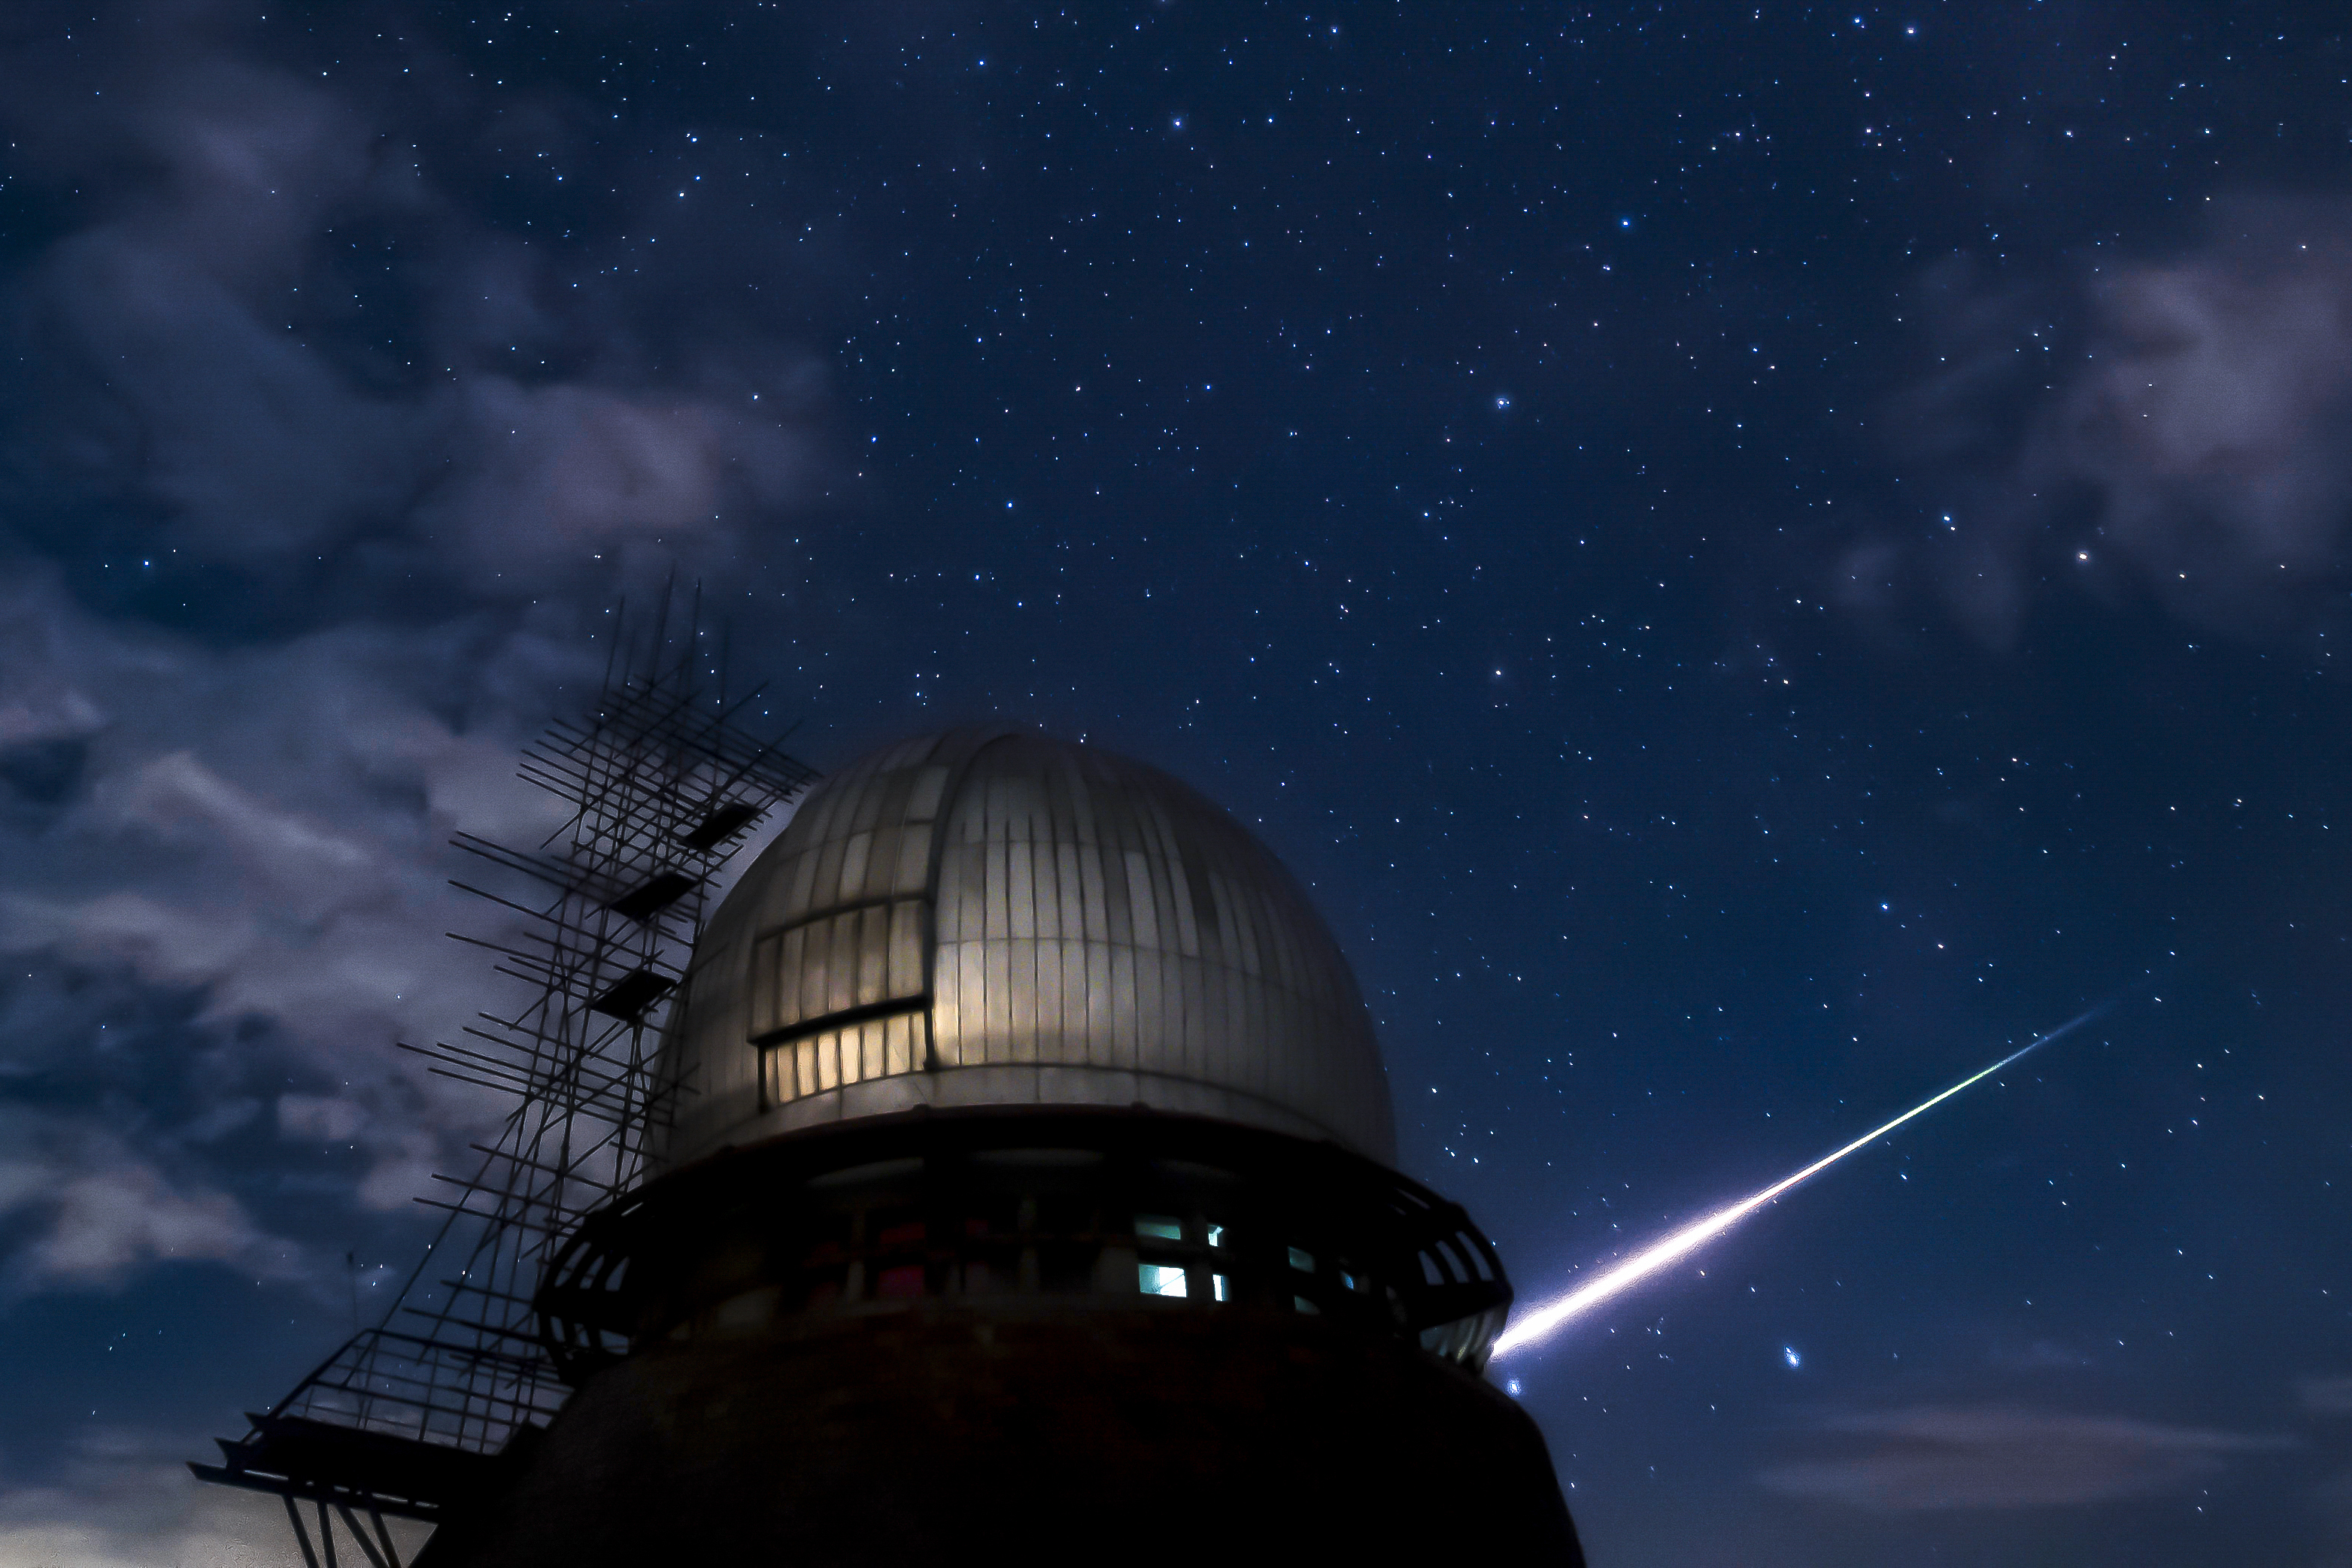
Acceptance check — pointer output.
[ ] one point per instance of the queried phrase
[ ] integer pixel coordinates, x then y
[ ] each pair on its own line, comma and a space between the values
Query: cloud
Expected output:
298, 343
567, 474
328, 1120
2176, 431
1932, 1458
326, 447
323, 454
263, 831
2042, 1355
126, 1500
2327, 1395
94, 1211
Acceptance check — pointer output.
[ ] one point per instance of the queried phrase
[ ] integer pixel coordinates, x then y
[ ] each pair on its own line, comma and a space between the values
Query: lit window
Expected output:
747, 1309
1302, 1259
1217, 1235
1160, 1227
1163, 1279
1304, 1305
1352, 1281
1221, 1287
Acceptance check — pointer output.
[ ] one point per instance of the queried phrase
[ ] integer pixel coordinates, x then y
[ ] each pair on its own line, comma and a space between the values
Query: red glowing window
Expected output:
901, 1283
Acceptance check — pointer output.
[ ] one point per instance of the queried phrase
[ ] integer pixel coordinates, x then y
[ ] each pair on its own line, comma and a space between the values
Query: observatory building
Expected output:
1028, 1192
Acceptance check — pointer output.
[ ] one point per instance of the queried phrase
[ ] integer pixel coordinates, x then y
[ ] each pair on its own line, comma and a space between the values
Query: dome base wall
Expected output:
1014, 1433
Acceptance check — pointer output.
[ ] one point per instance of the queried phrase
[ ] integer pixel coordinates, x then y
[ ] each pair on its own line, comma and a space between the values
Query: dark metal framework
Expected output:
1071, 1207
664, 782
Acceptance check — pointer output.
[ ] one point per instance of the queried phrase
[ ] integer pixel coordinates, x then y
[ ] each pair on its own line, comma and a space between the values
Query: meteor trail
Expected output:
1540, 1323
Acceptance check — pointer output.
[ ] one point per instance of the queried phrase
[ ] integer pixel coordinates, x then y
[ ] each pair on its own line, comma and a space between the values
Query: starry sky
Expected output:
1754, 557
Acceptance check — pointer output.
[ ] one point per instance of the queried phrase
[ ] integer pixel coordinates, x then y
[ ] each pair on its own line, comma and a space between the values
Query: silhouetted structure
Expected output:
1026, 1188
415, 1413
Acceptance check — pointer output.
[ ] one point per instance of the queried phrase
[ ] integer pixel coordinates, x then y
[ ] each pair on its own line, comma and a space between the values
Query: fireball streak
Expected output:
1540, 1323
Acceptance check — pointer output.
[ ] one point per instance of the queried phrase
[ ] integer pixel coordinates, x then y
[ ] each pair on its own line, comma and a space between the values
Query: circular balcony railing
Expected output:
1076, 1207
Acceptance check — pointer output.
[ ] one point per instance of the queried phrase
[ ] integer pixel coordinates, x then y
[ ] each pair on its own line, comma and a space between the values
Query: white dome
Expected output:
989, 917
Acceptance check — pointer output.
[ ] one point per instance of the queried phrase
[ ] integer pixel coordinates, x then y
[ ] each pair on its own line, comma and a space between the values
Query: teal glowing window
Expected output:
1160, 1280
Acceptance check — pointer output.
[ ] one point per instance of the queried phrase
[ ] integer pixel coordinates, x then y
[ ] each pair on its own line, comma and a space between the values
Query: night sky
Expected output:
1755, 558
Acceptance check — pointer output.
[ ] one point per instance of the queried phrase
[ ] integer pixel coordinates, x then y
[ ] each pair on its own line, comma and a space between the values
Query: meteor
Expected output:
1540, 1323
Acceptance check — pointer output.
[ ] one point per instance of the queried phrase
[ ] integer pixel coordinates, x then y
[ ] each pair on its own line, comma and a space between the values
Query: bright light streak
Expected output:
1540, 1323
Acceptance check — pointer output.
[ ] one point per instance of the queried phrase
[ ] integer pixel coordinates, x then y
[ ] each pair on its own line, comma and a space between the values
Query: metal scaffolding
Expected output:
664, 782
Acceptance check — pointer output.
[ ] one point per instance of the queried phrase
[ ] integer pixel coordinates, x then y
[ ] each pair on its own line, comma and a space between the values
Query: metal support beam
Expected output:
383, 1537
375, 1558
301, 1532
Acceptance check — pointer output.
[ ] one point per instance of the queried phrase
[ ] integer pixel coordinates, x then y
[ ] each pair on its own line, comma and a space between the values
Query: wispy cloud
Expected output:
292, 357
124, 1499
1938, 1457
223, 370
260, 832
2326, 1396
2176, 429
92, 1210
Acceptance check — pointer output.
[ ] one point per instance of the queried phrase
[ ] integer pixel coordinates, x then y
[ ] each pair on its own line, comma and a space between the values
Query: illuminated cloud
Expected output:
94, 1212
2327, 1395
1932, 1458
2174, 430
125, 1500
403, 492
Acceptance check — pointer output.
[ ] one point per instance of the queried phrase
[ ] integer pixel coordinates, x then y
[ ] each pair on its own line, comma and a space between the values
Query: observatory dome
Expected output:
987, 917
